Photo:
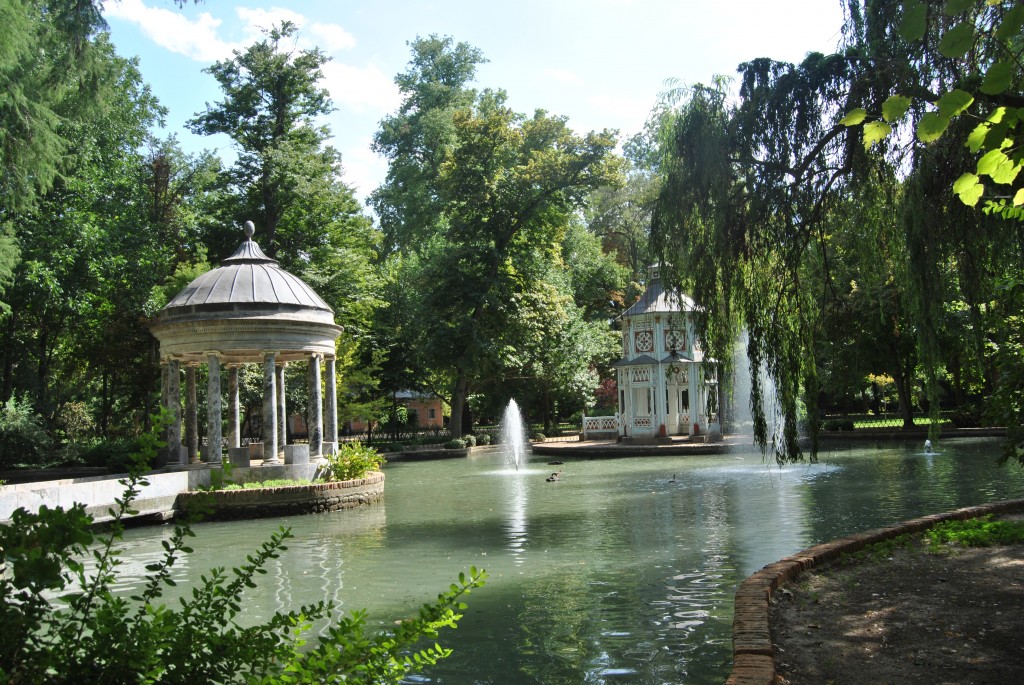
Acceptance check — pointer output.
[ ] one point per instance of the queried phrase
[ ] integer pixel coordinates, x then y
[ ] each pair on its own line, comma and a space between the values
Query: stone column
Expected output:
314, 419
331, 410
234, 422
282, 408
191, 414
269, 409
214, 434
174, 406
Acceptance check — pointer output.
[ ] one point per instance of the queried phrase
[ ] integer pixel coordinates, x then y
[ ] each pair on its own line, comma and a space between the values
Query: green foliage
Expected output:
983, 39
455, 444
23, 439
470, 440
270, 483
839, 425
477, 201
979, 532
483, 439
353, 460
92, 634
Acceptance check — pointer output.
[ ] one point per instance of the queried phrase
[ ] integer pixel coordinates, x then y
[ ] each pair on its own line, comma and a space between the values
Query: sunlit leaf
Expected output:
998, 78
954, 102
977, 137
931, 127
968, 189
854, 117
914, 22
957, 41
996, 164
1018, 198
895, 107
875, 131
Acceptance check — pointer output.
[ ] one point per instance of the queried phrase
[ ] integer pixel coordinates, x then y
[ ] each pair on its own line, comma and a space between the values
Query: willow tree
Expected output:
756, 193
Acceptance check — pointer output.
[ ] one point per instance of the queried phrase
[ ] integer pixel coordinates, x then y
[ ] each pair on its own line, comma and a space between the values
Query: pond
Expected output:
621, 572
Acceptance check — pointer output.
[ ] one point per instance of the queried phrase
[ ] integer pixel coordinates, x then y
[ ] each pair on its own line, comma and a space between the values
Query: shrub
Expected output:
470, 440
353, 460
966, 417
456, 444
483, 439
117, 454
23, 440
839, 425
538, 437
92, 634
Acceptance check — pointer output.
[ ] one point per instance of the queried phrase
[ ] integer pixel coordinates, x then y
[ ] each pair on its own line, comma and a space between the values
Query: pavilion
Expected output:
666, 385
246, 311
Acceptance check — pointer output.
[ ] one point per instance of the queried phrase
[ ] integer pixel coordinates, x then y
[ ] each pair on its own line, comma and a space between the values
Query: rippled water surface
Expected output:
622, 572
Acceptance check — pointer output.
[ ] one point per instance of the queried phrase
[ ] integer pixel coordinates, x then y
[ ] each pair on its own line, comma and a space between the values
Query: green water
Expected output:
615, 574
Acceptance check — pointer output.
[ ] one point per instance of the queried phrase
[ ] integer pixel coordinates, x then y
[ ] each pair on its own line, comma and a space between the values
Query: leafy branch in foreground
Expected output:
60, 622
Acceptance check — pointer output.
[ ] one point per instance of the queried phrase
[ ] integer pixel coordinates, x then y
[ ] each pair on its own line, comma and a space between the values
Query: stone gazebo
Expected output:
246, 311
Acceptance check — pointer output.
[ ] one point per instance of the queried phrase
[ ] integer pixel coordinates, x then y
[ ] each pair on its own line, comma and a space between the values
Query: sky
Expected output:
600, 63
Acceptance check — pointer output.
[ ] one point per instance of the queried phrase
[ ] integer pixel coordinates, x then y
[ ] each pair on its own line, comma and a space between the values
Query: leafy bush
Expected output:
23, 440
538, 437
979, 532
966, 417
117, 454
353, 460
839, 425
456, 444
92, 634
470, 440
483, 439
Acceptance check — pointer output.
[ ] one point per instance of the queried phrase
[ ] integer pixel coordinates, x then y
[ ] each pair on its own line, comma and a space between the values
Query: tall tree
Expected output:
502, 189
271, 102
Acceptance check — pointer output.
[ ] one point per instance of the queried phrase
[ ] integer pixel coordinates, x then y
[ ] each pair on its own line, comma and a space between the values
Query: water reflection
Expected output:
615, 574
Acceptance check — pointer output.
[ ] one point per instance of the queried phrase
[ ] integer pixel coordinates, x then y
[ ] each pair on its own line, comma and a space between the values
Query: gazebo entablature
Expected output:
247, 311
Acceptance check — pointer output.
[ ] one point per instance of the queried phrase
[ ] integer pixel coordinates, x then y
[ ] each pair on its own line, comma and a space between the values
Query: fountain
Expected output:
513, 435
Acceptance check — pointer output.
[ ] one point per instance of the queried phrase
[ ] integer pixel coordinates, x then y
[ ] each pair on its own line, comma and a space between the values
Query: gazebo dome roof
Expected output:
246, 305
247, 277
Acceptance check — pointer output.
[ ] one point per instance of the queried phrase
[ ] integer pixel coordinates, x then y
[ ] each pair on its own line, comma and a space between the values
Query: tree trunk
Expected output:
8, 383
903, 374
458, 402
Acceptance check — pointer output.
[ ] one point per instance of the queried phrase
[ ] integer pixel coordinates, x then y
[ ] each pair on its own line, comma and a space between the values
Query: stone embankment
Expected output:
286, 500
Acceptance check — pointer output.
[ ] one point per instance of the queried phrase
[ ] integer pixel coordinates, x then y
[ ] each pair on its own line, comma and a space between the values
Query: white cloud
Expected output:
561, 75
364, 169
200, 38
625, 113
195, 38
331, 37
360, 88
328, 37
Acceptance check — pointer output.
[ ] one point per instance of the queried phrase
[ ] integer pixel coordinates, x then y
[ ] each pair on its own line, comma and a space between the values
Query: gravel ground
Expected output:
911, 616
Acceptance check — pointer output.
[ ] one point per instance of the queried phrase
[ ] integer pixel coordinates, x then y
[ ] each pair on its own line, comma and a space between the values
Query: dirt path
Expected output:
956, 616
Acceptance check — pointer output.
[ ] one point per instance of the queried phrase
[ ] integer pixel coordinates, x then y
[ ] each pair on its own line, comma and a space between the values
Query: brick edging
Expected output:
753, 654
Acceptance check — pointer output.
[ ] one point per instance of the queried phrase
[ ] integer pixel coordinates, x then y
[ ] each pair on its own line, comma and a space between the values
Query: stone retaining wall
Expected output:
753, 655
288, 500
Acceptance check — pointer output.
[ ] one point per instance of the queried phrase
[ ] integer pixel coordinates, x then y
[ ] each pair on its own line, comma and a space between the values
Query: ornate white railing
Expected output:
603, 425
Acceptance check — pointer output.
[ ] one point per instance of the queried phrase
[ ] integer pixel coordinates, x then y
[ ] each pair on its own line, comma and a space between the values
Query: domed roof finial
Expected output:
249, 229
